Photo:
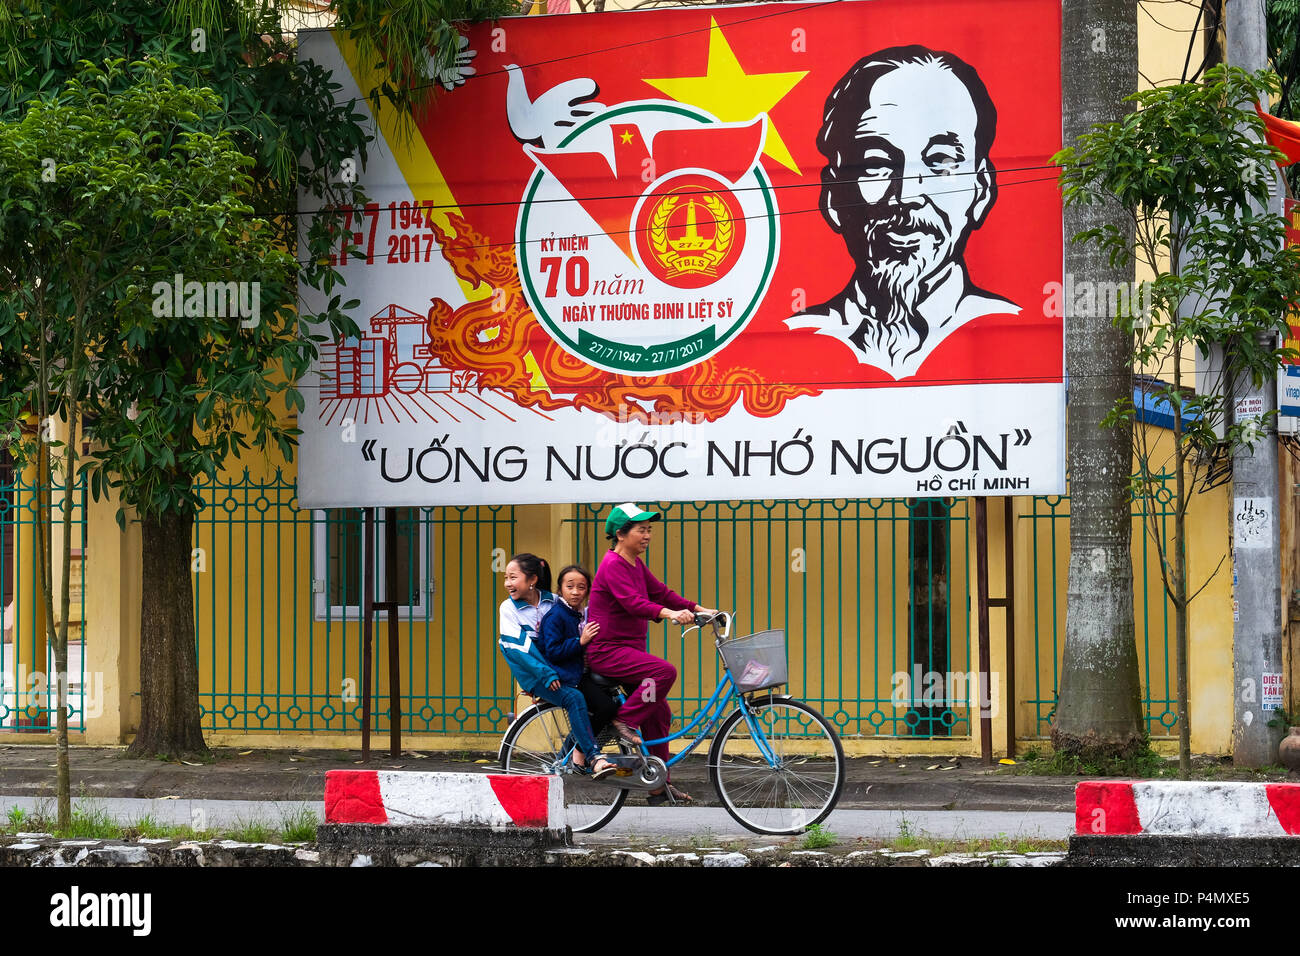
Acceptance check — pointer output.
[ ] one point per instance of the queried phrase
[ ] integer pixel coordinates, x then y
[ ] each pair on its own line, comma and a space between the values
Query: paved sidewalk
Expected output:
675, 825
874, 783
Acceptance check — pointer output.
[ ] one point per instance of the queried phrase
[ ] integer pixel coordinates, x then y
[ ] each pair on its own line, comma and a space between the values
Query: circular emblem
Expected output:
647, 238
690, 231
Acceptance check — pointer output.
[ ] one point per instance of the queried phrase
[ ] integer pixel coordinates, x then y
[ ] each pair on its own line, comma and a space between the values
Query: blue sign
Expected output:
1288, 390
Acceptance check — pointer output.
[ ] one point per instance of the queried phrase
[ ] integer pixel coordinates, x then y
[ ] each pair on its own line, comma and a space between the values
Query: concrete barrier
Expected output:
1187, 808
444, 799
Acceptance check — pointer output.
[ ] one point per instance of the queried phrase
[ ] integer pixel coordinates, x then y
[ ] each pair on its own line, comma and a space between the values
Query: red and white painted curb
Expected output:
448, 799
1187, 808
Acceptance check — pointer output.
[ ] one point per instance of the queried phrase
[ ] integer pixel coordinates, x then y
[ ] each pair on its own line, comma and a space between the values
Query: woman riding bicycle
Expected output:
625, 597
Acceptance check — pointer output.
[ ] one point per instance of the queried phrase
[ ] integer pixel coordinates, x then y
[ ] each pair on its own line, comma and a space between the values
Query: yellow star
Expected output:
732, 95
627, 136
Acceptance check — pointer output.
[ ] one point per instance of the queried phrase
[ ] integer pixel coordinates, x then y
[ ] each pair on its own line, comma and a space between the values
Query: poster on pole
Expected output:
1288, 378
770, 251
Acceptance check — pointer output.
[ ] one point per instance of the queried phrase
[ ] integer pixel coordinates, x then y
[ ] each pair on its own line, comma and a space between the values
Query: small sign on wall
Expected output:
1252, 522
1270, 686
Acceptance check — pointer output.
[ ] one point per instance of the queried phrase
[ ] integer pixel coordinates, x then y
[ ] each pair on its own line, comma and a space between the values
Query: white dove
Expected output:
543, 122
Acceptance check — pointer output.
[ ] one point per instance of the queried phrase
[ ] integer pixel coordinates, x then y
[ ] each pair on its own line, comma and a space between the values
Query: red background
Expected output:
1013, 45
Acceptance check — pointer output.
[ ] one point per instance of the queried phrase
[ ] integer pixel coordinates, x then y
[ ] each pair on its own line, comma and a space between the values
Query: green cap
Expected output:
625, 514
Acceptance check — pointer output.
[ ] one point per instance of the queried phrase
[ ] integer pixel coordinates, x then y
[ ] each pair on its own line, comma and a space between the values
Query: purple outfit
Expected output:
624, 599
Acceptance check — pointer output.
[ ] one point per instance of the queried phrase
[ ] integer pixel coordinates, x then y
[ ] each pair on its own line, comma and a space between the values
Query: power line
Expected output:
779, 212
734, 189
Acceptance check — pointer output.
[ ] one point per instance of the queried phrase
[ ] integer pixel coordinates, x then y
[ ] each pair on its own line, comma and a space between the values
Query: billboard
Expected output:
770, 251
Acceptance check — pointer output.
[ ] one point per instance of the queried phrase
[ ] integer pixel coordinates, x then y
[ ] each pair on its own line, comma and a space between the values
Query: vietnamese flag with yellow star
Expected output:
789, 213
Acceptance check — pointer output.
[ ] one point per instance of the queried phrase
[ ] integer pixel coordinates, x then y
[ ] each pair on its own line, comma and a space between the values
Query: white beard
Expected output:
893, 283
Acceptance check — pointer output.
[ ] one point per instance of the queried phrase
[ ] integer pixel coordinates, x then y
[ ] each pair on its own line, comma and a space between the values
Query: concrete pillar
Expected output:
1257, 570
112, 628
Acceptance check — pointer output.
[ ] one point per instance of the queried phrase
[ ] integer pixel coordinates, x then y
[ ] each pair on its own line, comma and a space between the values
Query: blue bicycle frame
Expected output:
714, 710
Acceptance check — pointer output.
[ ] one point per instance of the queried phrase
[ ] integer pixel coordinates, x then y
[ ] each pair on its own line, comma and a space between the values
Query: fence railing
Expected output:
874, 595
278, 611
1048, 560
28, 690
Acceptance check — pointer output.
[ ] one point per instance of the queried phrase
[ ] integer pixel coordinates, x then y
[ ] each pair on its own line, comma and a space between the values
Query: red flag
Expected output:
610, 196
1283, 134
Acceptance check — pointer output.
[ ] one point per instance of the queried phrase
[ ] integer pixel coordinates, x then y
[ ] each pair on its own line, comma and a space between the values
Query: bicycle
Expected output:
766, 761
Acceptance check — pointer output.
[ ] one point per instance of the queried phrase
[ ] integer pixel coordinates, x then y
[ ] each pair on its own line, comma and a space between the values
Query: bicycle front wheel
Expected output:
539, 742
794, 789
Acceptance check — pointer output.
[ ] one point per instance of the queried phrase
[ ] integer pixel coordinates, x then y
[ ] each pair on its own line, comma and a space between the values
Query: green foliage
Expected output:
817, 838
396, 38
287, 118
283, 116
1284, 720
1146, 763
299, 825
909, 837
1284, 52
111, 187
252, 831
89, 823
1192, 170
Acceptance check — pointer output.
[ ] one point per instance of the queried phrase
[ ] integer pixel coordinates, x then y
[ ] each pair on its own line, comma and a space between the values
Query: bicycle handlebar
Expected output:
722, 622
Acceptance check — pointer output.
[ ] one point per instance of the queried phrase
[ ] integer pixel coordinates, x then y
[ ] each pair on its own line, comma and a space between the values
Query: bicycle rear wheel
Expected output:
539, 743
795, 791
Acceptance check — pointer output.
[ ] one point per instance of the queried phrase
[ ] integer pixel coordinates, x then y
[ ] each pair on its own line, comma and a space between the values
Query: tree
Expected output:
1099, 708
1190, 168
178, 405
145, 161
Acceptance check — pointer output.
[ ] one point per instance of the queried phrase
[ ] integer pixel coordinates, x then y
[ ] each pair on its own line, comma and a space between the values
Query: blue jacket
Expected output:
559, 639
517, 637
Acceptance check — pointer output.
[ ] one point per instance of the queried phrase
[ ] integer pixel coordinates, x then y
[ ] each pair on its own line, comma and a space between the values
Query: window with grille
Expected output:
339, 561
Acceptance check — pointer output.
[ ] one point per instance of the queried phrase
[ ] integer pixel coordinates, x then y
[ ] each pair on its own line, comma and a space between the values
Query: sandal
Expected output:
669, 794
602, 768
625, 732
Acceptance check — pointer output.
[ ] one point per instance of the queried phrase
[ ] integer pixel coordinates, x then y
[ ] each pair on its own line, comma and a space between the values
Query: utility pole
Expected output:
1256, 556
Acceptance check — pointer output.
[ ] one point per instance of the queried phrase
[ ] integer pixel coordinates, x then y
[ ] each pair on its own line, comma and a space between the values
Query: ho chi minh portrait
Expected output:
907, 134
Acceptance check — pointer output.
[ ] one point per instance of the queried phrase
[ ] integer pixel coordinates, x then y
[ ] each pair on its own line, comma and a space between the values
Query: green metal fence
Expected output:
872, 595
278, 602
1049, 556
28, 701
875, 597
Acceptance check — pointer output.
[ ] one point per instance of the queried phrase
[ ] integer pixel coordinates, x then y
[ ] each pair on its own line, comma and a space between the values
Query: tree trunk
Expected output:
1099, 708
169, 673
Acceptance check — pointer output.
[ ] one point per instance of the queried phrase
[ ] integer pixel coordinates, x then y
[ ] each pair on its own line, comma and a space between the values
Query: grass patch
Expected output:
299, 825
818, 838
148, 828
909, 836
251, 831
1146, 763
90, 821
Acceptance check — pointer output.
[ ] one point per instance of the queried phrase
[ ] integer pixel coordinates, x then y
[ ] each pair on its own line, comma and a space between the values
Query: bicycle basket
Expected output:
756, 661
